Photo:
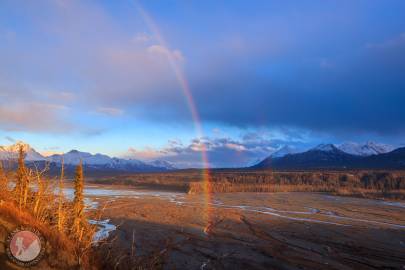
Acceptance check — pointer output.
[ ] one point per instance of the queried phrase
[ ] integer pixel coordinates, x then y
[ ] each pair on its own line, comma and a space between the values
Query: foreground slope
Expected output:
59, 252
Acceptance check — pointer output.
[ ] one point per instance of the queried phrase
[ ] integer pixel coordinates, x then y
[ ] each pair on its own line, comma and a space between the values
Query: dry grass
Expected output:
381, 184
198, 187
31, 201
360, 184
177, 181
60, 253
370, 193
70, 245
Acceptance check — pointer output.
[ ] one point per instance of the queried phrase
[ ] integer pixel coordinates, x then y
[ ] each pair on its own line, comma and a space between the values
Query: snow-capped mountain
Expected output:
345, 156
367, 149
11, 152
163, 163
330, 157
283, 151
321, 156
325, 148
73, 157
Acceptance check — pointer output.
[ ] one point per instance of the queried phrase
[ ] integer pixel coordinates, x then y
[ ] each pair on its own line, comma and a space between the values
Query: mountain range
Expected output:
344, 156
370, 155
92, 162
367, 149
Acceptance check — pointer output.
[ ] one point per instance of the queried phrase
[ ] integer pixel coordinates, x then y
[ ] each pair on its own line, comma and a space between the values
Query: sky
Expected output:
164, 79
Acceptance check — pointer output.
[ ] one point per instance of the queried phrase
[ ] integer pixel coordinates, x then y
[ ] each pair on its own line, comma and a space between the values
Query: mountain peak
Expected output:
96, 161
367, 149
11, 151
17, 145
283, 151
163, 164
325, 147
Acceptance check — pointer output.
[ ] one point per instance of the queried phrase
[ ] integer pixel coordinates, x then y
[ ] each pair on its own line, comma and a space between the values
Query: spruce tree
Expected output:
21, 179
61, 212
3, 181
78, 202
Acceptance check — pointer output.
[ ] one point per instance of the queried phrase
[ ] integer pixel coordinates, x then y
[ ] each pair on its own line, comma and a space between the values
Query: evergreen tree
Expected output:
3, 181
61, 212
21, 179
78, 203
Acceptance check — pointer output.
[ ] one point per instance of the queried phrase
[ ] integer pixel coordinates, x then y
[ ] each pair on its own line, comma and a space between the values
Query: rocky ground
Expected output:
255, 231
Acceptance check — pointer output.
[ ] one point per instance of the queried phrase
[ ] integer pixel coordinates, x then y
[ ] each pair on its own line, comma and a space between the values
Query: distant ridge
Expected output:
96, 162
329, 156
11, 152
285, 150
367, 149
324, 156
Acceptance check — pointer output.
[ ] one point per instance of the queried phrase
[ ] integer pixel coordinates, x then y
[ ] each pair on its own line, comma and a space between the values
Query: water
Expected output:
91, 193
105, 229
119, 193
181, 199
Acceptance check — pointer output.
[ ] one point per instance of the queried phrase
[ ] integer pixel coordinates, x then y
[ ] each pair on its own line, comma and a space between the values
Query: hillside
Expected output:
59, 252
41, 226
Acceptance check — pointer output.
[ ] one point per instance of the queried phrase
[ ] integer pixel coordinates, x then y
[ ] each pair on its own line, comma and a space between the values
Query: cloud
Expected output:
59, 96
221, 152
51, 150
238, 76
326, 63
105, 71
141, 37
36, 117
362, 94
161, 50
47, 153
236, 147
109, 111
388, 44
7, 35
8, 138
147, 153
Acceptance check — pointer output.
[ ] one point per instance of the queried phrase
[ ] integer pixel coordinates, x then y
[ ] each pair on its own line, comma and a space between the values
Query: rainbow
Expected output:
185, 87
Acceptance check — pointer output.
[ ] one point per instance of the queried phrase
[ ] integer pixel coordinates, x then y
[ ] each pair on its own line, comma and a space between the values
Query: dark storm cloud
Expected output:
330, 69
325, 66
361, 91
